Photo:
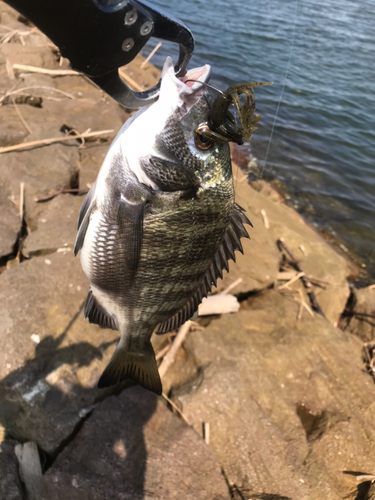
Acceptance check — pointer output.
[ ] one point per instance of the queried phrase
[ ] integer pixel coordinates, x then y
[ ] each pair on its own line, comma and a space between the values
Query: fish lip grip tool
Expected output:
100, 36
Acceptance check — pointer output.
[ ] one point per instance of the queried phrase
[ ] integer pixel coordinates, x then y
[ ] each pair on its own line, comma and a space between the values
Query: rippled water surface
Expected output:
323, 145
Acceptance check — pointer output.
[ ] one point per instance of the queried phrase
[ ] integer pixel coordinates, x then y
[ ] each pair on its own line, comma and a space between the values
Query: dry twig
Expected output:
306, 282
301, 301
265, 219
53, 140
231, 286
150, 55
162, 352
365, 477
22, 199
299, 316
171, 354
303, 250
44, 71
292, 280
21, 117
70, 72
175, 407
130, 80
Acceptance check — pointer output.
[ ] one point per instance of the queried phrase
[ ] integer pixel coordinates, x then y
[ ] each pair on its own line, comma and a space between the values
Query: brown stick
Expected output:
24, 123
171, 354
162, 352
53, 140
44, 71
150, 55
175, 407
130, 80
306, 282
22, 199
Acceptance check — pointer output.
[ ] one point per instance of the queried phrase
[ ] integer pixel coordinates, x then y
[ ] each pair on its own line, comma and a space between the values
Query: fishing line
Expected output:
281, 96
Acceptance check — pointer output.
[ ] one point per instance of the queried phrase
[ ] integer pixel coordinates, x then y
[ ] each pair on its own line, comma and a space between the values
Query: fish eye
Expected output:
201, 137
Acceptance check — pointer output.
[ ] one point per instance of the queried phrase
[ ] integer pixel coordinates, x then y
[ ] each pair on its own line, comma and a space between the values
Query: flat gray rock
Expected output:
50, 358
289, 404
131, 448
57, 226
10, 225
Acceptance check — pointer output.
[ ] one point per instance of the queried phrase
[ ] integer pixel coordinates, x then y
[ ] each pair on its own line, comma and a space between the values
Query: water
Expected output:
323, 145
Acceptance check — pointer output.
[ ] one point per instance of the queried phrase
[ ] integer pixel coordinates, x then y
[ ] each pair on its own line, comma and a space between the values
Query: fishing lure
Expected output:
222, 126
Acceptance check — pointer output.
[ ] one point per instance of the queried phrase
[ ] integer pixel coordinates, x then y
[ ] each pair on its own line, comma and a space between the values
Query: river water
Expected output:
320, 56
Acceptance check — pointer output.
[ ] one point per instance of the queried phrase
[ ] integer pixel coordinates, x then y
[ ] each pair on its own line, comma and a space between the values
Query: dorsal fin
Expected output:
96, 314
230, 243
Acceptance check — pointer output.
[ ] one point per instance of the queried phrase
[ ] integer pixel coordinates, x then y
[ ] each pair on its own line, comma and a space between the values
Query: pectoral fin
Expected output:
130, 223
84, 219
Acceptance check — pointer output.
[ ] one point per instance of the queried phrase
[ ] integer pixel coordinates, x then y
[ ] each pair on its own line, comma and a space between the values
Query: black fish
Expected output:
158, 226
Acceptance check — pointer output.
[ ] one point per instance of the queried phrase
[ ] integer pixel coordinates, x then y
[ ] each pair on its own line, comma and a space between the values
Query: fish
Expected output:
160, 223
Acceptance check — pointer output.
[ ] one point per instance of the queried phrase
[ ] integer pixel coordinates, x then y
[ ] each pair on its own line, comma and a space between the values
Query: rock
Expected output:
132, 447
359, 318
321, 260
16, 53
43, 170
7, 14
12, 130
81, 115
10, 484
51, 359
289, 405
10, 225
259, 265
57, 226
91, 160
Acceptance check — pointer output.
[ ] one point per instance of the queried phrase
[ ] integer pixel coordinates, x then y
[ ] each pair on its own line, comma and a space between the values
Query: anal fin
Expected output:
139, 367
96, 313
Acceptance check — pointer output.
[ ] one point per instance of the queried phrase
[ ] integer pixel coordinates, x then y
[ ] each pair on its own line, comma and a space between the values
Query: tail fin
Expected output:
138, 366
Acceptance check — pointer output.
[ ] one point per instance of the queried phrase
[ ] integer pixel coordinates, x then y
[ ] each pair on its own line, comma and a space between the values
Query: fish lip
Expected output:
202, 74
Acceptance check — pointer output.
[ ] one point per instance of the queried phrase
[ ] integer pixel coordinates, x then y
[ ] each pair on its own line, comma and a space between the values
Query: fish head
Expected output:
183, 137
163, 141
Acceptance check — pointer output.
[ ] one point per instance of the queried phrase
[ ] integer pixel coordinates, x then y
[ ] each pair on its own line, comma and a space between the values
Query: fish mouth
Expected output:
192, 84
196, 78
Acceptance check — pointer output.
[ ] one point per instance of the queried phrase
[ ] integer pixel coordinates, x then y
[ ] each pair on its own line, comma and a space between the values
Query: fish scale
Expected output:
158, 227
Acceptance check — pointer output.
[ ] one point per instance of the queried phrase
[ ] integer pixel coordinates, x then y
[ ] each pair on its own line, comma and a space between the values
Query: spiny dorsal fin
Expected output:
96, 314
139, 367
231, 242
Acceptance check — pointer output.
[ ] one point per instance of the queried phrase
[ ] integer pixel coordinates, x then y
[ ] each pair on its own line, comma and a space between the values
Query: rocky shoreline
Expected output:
274, 401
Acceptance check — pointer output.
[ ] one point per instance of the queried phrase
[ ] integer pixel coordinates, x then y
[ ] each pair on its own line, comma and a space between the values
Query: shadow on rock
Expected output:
43, 401
108, 458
